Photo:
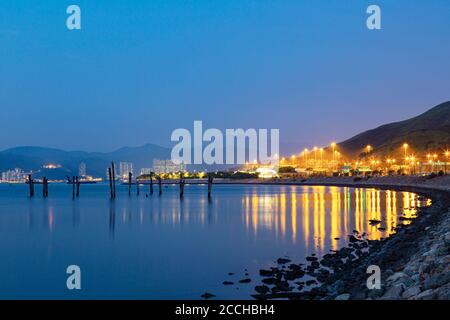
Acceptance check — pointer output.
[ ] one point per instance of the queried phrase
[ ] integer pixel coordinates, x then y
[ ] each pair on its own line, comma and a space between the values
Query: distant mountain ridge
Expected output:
33, 158
429, 131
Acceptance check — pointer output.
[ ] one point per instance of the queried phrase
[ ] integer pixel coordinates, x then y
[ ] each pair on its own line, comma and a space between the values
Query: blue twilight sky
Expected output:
139, 69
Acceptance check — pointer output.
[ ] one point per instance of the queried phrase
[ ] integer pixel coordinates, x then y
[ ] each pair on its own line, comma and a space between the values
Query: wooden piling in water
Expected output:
31, 185
210, 182
138, 189
159, 185
73, 187
113, 179
44, 187
181, 185
151, 182
110, 183
78, 186
130, 176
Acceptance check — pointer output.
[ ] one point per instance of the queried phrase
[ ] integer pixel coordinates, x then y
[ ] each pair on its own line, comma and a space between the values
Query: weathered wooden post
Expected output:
78, 186
210, 182
181, 185
110, 183
44, 187
151, 182
31, 185
73, 187
159, 185
113, 179
138, 189
130, 176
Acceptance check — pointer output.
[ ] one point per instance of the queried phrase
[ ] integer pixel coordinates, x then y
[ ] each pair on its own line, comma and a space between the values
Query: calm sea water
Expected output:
164, 248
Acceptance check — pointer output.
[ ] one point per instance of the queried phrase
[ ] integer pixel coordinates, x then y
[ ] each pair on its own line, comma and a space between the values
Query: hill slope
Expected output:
32, 158
429, 131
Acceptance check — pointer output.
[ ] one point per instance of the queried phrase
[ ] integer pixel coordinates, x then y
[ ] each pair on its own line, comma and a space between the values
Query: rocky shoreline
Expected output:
414, 262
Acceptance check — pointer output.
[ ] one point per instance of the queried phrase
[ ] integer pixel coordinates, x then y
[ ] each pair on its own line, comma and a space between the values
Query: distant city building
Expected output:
146, 171
82, 170
15, 176
167, 166
124, 169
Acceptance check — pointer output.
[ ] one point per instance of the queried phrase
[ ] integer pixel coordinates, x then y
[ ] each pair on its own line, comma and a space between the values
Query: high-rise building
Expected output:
124, 169
167, 166
146, 171
16, 175
82, 170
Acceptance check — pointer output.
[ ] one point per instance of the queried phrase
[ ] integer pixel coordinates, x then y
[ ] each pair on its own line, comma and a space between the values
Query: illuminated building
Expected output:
167, 166
82, 170
125, 168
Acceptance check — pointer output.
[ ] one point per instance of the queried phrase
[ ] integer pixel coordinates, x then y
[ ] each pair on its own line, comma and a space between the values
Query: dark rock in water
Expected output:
337, 238
294, 274
374, 222
262, 289
313, 254
227, 283
282, 286
275, 290
355, 232
247, 280
266, 273
381, 229
246, 274
405, 219
352, 239
295, 267
311, 259
323, 271
230, 273
283, 261
207, 295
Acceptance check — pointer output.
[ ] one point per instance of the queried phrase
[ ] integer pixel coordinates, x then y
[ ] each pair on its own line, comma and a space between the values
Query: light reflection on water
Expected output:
327, 213
163, 247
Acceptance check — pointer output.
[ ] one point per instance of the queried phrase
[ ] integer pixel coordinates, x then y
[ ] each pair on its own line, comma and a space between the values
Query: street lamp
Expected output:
321, 156
333, 148
405, 148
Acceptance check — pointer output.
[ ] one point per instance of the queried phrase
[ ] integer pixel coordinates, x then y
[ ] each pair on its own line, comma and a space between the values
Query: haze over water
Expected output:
167, 248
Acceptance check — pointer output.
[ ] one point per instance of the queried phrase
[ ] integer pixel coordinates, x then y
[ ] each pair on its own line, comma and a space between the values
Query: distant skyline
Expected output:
137, 71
